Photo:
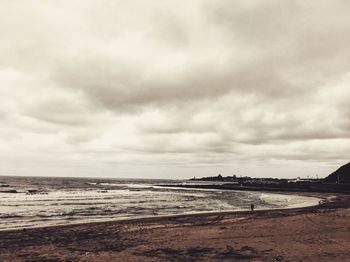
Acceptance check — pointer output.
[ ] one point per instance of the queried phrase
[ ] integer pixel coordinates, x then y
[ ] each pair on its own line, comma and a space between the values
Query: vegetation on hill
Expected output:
340, 176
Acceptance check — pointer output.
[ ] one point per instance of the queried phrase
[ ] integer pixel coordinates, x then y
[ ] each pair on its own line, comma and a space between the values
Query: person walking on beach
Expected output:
252, 207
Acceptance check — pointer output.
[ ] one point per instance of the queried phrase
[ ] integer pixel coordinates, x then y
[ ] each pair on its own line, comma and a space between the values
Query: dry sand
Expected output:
311, 234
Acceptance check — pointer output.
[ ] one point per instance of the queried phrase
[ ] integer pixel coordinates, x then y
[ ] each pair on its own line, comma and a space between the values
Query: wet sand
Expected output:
320, 233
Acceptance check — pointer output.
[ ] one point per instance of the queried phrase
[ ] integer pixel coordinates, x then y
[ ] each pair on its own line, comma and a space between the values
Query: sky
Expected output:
174, 89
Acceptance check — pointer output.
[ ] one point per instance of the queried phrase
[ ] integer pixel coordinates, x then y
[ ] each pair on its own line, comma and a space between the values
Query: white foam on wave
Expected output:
289, 201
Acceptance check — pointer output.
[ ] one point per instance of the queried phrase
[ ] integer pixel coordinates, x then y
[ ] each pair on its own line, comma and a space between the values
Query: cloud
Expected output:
187, 87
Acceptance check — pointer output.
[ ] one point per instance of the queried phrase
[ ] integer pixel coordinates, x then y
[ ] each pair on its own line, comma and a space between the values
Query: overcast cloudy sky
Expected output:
174, 89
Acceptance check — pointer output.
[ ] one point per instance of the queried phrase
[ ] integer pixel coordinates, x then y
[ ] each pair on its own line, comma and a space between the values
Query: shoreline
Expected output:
311, 233
318, 196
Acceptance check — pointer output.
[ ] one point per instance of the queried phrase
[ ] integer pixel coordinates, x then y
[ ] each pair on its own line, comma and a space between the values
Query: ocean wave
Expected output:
81, 200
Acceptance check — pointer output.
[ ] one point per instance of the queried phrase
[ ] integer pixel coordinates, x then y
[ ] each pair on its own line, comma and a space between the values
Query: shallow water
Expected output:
56, 201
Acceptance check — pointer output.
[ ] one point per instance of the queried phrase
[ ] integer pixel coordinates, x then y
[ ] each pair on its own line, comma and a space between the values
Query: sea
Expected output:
27, 202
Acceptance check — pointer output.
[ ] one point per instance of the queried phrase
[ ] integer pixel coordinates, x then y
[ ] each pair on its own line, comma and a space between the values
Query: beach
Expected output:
174, 131
319, 233
42, 202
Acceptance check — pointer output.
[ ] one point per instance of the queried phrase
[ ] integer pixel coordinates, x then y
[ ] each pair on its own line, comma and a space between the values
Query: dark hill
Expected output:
343, 173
